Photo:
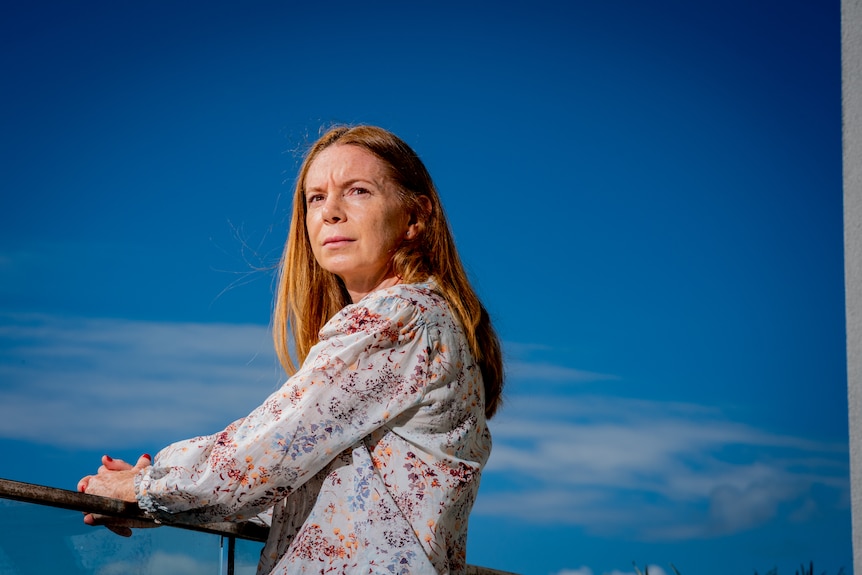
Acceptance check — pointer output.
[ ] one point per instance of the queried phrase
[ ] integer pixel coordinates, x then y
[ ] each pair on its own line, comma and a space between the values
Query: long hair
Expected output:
308, 296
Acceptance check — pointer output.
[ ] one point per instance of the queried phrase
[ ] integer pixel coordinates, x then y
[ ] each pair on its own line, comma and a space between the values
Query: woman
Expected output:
369, 456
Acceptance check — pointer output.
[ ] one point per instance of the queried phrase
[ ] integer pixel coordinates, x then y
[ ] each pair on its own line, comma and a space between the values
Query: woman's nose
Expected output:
333, 211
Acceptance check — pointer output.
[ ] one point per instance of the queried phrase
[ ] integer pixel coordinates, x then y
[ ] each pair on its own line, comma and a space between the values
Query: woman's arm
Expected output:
374, 361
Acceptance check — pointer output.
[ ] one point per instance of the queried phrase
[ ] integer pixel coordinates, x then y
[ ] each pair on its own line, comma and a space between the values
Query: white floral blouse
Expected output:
369, 456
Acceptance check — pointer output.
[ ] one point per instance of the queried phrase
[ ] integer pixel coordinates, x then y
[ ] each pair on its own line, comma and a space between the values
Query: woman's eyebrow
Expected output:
344, 184
348, 183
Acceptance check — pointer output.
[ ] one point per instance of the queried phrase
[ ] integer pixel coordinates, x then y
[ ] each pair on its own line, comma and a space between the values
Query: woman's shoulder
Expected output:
413, 303
423, 298
421, 293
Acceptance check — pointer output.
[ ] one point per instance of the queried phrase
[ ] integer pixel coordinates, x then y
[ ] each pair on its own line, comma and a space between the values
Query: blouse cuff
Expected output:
143, 481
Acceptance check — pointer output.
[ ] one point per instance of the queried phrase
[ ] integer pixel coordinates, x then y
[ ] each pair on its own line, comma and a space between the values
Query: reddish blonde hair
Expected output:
308, 296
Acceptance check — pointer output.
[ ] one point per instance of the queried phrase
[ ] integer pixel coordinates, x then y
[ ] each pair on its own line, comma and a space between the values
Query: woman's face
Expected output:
355, 219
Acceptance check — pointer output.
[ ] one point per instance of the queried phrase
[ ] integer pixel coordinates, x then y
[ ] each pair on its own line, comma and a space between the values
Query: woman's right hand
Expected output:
115, 479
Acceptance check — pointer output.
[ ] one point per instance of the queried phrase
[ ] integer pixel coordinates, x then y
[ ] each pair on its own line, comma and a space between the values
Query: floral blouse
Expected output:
369, 457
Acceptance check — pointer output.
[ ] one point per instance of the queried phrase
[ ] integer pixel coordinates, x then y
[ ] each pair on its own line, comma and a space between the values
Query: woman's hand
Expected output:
116, 479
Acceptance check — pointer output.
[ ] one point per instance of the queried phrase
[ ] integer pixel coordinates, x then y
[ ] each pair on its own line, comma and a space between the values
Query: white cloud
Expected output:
651, 569
651, 470
154, 552
111, 382
579, 571
614, 466
160, 562
538, 371
519, 367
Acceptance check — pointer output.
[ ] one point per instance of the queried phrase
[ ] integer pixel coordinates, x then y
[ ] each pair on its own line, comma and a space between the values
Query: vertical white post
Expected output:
222, 555
851, 87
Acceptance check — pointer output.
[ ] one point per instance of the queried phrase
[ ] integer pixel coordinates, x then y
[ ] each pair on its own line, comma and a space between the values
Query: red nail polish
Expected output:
148, 456
109, 458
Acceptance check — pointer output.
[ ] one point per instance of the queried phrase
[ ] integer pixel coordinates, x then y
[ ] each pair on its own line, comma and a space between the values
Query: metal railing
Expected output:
229, 532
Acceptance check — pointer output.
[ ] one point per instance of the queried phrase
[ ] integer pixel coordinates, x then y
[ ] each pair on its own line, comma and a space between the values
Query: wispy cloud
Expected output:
614, 466
160, 562
551, 372
521, 364
651, 470
111, 382
101, 555
579, 571
653, 569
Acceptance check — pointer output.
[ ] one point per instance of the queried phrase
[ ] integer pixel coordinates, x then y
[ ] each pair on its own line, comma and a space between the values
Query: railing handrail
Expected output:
76, 501
86, 503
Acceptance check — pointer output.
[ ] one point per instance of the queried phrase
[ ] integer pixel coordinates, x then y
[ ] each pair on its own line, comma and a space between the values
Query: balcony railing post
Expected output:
227, 555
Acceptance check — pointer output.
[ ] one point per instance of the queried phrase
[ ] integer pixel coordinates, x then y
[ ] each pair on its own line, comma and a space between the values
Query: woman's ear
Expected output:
419, 217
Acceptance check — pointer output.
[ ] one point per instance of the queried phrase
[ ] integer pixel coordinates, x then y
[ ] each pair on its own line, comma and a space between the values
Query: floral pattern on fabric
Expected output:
369, 457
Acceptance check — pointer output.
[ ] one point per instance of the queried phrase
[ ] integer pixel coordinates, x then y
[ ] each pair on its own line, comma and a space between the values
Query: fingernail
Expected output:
109, 458
148, 456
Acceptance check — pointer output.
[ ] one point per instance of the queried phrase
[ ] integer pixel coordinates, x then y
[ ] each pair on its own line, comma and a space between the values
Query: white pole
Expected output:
851, 88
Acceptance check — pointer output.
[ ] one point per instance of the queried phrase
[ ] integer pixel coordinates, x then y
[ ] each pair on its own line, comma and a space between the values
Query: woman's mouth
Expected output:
336, 241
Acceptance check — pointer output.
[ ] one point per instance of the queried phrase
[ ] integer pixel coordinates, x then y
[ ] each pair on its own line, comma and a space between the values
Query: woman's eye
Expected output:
359, 191
314, 198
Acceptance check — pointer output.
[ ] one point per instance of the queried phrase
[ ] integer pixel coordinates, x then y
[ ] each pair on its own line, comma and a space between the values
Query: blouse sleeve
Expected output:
374, 361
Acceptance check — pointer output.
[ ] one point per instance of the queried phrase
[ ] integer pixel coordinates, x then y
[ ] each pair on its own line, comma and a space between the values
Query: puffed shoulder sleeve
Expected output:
374, 361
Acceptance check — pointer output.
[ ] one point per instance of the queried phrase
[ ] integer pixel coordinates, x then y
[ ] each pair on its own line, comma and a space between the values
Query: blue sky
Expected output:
647, 196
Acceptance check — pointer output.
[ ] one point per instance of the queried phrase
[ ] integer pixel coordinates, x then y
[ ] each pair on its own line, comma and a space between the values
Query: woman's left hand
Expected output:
116, 479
